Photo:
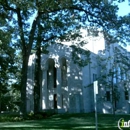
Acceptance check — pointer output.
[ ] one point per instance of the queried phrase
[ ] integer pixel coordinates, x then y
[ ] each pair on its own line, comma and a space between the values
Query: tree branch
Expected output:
32, 32
6, 6
21, 29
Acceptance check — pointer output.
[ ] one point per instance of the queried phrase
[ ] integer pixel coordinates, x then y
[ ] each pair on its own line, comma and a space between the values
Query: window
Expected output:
55, 101
126, 91
115, 76
47, 79
55, 76
64, 72
94, 77
108, 95
126, 95
51, 74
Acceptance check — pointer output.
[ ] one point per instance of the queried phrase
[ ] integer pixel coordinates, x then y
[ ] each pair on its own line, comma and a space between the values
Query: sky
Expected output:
124, 9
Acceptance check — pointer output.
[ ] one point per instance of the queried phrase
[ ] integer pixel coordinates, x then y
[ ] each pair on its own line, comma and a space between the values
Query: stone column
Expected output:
30, 84
67, 89
58, 82
44, 90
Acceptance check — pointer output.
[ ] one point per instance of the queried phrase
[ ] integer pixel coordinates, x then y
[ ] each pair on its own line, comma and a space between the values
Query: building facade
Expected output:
68, 87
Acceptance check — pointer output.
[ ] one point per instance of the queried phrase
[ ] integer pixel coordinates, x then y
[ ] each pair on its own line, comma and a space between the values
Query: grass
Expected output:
67, 121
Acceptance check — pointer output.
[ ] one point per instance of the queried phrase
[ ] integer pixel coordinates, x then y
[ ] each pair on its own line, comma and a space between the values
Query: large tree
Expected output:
8, 69
57, 19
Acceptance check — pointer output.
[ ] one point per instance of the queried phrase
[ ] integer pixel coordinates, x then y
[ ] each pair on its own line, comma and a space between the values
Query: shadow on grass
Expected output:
67, 121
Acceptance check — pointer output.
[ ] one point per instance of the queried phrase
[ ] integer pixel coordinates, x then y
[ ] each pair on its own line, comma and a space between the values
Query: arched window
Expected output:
55, 75
51, 74
63, 72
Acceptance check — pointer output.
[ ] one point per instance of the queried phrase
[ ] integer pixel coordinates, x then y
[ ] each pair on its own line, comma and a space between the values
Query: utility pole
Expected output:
95, 84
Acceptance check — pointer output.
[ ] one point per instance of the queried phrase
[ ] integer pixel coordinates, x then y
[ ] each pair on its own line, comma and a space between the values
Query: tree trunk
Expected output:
26, 50
0, 101
37, 80
37, 72
23, 83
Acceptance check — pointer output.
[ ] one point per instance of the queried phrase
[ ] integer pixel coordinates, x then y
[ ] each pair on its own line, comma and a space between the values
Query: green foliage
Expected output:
8, 69
54, 20
39, 115
80, 56
68, 121
10, 118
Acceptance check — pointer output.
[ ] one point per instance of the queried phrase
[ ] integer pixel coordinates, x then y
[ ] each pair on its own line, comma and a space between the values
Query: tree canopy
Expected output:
57, 20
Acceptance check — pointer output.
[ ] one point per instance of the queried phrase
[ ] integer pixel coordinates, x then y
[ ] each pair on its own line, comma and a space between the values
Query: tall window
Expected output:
108, 95
47, 79
64, 72
126, 92
55, 101
115, 76
55, 75
94, 77
51, 74
62, 100
126, 95
119, 73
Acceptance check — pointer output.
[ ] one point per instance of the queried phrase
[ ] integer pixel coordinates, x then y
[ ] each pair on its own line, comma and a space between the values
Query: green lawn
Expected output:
67, 121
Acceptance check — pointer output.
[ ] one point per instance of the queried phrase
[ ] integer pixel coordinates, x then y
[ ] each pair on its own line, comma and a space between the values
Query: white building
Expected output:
67, 87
